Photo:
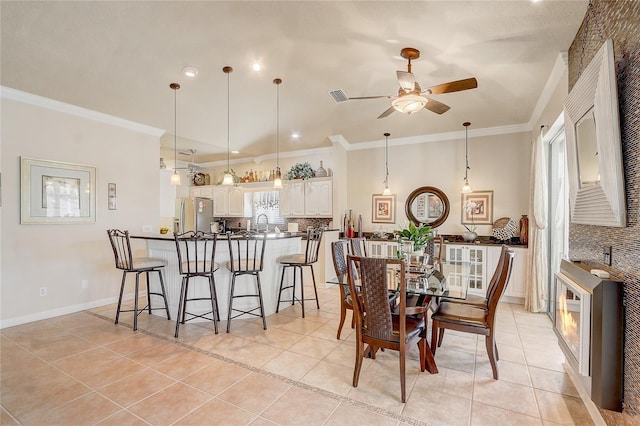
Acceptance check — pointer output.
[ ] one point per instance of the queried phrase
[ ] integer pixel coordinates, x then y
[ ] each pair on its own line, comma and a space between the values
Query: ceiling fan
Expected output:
192, 166
411, 97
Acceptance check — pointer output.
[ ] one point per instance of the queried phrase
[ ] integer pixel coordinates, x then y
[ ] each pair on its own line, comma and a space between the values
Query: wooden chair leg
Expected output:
490, 344
440, 337
434, 337
403, 378
343, 315
422, 349
359, 357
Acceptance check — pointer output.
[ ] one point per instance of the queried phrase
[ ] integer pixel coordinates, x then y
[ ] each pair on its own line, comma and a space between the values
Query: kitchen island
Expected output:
163, 247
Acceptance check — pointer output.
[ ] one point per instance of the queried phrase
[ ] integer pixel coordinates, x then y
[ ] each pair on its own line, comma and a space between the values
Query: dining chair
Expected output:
121, 245
475, 319
246, 257
375, 325
339, 252
297, 262
196, 259
359, 246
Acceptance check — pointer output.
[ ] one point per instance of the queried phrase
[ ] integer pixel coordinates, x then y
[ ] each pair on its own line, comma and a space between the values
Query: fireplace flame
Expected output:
568, 326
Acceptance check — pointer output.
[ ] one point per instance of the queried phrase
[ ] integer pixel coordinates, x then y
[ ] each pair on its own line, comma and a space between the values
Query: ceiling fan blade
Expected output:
387, 113
436, 106
406, 80
453, 86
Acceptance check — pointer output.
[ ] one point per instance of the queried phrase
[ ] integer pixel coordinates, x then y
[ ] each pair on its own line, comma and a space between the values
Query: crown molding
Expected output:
40, 101
447, 136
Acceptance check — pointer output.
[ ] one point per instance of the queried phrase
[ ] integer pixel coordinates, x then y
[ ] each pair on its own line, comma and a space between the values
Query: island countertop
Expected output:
163, 247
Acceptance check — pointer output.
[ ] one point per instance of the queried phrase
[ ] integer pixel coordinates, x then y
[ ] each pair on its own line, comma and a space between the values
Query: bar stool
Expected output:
127, 263
246, 256
196, 258
297, 262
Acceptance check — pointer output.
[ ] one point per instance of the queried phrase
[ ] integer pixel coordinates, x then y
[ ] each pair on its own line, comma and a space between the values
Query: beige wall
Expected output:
499, 163
61, 256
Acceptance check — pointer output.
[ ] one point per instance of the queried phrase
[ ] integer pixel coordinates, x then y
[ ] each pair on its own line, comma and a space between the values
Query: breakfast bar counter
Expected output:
164, 247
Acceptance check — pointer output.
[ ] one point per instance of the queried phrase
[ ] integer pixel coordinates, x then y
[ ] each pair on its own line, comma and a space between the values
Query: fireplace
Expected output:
589, 323
573, 322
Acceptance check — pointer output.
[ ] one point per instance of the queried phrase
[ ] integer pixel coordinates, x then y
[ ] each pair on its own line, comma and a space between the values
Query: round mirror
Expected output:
427, 205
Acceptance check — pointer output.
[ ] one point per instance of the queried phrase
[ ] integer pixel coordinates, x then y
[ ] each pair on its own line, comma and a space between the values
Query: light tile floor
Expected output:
81, 369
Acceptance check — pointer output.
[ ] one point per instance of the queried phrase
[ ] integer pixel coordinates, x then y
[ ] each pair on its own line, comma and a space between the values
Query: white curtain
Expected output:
537, 277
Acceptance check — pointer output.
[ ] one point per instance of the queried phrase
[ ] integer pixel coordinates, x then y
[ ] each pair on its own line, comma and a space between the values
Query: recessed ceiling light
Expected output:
190, 71
235, 152
295, 135
257, 67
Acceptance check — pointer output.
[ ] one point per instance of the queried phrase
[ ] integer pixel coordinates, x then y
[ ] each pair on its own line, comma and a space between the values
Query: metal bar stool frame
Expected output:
196, 258
297, 262
124, 260
246, 257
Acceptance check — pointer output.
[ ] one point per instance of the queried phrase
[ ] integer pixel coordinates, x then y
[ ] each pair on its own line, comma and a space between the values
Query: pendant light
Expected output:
228, 177
466, 188
386, 191
175, 177
277, 179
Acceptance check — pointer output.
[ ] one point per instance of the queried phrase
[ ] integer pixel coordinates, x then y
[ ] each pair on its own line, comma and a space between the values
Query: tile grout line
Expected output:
296, 383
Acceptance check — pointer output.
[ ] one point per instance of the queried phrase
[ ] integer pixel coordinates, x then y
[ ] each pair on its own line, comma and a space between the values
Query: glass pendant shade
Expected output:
277, 180
386, 191
175, 178
227, 179
466, 188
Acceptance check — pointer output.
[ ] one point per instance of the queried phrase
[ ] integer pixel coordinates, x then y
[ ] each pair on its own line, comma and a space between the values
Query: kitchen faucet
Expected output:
266, 219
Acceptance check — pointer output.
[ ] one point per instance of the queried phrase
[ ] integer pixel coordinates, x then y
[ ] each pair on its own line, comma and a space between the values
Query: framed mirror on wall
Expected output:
594, 146
428, 205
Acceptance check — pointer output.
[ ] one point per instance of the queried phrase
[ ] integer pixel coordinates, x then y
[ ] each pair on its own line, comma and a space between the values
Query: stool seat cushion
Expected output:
292, 258
147, 263
244, 265
199, 267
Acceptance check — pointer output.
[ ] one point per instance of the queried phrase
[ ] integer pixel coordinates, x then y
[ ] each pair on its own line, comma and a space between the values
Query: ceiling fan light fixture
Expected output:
409, 104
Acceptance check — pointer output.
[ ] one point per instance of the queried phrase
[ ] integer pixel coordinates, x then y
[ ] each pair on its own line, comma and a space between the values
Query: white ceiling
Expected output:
118, 57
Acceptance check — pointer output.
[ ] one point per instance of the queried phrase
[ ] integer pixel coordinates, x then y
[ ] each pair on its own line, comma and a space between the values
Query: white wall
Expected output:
61, 256
499, 163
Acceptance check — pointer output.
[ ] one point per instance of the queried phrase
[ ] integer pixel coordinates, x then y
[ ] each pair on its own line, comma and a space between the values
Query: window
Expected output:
268, 204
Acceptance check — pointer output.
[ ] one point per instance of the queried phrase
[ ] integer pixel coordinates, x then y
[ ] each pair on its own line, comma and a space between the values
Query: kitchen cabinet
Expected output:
382, 248
516, 289
318, 198
476, 256
228, 201
205, 191
292, 199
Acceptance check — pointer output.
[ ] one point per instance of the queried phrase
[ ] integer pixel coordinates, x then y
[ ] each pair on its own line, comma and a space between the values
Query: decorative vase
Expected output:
321, 172
469, 236
524, 229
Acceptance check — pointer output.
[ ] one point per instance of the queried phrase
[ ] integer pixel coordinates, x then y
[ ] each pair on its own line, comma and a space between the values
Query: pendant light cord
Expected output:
228, 123
466, 151
175, 130
386, 158
277, 81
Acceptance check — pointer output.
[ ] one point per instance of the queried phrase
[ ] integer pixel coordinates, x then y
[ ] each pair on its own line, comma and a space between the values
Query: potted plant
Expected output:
300, 171
418, 235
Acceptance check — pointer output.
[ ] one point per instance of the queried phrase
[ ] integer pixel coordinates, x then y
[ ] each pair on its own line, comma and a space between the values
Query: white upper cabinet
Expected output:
307, 198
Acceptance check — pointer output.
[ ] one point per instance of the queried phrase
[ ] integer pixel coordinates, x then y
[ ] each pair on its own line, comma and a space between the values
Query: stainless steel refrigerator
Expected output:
193, 215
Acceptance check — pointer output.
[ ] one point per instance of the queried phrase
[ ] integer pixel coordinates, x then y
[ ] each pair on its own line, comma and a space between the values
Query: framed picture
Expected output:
477, 208
112, 196
54, 192
384, 209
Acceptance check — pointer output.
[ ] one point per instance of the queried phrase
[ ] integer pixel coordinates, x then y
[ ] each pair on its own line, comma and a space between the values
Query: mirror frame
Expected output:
604, 204
423, 190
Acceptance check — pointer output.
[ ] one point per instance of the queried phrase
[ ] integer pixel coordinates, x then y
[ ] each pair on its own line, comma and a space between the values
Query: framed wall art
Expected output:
477, 208
54, 192
384, 209
112, 196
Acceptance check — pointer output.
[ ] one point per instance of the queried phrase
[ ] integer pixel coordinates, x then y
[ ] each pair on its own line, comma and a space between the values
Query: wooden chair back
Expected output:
359, 246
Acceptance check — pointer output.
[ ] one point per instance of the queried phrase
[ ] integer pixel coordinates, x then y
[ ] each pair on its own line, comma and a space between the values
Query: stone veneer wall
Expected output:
619, 21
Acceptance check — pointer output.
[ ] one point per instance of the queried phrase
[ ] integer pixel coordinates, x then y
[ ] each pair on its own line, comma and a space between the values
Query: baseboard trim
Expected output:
11, 322
584, 395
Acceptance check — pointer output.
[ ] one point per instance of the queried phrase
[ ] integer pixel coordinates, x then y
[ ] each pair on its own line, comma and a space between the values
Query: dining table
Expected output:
426, 285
